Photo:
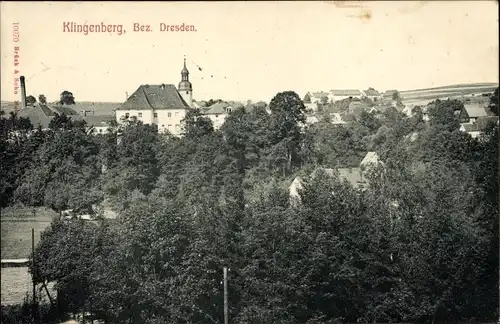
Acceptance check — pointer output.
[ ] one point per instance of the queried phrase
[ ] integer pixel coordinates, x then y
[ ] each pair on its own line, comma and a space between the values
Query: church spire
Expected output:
185, 72
185, 87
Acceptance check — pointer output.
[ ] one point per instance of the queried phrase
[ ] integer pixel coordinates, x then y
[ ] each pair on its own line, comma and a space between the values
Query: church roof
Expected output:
163, 96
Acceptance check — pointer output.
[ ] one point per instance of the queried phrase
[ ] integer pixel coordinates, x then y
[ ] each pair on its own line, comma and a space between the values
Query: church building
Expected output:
163, 104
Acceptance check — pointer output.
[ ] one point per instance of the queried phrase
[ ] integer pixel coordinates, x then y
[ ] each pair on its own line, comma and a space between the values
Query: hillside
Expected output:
449, 91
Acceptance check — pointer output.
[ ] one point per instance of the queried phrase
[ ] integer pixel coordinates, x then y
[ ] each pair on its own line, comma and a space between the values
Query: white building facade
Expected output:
162, 105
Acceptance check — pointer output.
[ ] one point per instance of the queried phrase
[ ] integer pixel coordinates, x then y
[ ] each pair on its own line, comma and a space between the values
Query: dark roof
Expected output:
372, 92
41, 114
356, 107
69, 111
216, 108
163, 96
98, 120
480, 124
96, 107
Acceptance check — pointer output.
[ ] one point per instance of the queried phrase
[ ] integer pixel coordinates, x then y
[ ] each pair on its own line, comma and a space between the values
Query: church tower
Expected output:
185, 87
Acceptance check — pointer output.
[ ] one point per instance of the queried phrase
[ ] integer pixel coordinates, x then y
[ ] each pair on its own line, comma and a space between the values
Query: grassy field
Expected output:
16, 225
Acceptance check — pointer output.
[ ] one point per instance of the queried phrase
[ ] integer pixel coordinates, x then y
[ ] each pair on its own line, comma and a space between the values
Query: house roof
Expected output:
370, 157
319, 94
311, 120
372, 92
347, 92
336, 118
357, 107
480, 124
475, 110
98, 120
216, 109
41, 114
163, 96
97, 107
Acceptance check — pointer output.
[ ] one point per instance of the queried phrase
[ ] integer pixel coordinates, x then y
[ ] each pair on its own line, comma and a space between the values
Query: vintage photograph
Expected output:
306, 162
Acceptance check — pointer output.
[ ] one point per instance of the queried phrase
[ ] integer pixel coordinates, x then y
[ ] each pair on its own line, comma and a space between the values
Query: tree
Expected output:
30, 100
287, 118
196, 125
67, 98
62, 246
42, 99
494, 102
136, 166
307, 98
62, 121
443, 113
64, 173
396, 96
213, 101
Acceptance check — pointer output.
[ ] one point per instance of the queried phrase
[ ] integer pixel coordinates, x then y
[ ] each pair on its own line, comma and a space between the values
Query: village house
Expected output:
336, 119
42, 114
336, 95
219, 111
477, 128
388, 94
372, 94
163, 105
312, 106
99, 124
318, 97
357, 107
471, 112
355, 176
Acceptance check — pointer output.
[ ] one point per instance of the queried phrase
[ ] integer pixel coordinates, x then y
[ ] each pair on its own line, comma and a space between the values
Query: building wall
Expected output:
166, 119
187, 95
101, 129
334, 98
144, 115
217, 119
169, 120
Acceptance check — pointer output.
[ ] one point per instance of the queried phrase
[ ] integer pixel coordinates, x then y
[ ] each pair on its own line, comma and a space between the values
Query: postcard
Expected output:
249, 162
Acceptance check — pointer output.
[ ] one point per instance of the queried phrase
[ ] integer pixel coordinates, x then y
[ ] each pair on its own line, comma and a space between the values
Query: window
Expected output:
169, 127
127, 115
155, 115
140, 114
187, 92
169, 115
216, 115
162, 126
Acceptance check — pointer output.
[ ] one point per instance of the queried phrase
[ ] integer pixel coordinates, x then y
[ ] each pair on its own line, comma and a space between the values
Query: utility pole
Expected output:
34, 310
226, 315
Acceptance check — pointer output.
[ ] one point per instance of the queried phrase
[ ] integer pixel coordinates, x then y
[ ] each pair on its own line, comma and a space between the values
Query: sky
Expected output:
248, 50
